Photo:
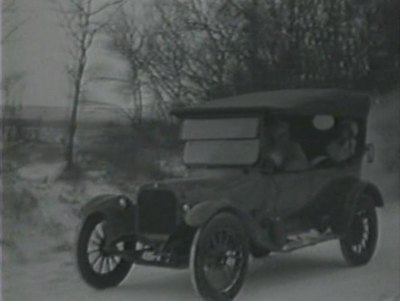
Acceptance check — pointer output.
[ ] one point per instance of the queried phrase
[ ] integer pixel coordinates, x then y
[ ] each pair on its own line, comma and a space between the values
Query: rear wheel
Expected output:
219, 258
359, 243
99, 267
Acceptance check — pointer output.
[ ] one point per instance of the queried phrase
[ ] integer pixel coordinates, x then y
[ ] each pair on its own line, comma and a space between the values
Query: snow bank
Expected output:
41, 171
41, 213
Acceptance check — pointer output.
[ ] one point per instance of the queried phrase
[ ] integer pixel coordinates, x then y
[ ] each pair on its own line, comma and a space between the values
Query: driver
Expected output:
343, 146
281, 151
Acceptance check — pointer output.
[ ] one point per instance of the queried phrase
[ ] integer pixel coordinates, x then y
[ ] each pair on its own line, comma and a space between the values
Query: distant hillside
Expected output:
59, 116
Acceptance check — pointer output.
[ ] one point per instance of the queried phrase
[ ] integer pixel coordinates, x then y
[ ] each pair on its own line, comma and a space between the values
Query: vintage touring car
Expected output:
266, 172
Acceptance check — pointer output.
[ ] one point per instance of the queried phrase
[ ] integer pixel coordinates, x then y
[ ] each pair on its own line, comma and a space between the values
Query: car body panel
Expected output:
223, 153
293, 191
228, 186
270, 203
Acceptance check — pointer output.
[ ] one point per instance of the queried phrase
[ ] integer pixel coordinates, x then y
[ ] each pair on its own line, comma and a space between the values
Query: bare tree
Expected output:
10, 22
11, 81
211, 59
152, 52
182, 53
82, 20
10, 25
12, 105
190, 52
155, 55
196, 50
127, 40
167, 51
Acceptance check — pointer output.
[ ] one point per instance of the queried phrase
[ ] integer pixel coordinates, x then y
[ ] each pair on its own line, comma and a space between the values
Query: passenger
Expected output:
281, 151
343, 146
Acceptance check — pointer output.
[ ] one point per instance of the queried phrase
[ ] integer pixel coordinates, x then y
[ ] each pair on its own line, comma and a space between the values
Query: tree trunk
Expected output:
70, 147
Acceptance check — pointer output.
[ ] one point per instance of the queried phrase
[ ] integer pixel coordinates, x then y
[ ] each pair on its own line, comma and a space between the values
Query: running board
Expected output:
143, 257
299, 243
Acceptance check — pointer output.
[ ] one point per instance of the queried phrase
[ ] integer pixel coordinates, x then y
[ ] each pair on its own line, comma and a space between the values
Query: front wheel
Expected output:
359, 243
100, 268
219, 258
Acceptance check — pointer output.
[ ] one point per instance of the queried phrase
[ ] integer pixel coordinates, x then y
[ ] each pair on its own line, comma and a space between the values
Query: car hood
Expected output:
200, 187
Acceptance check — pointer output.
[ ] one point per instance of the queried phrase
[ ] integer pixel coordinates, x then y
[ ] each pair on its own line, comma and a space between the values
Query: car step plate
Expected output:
306, 239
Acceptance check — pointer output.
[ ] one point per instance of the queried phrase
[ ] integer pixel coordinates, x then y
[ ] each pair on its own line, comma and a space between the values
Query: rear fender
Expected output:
120, 218
373, 191
363, 189
345, 210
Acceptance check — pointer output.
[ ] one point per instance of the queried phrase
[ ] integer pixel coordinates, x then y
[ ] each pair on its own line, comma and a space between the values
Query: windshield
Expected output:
229, 141
227, 128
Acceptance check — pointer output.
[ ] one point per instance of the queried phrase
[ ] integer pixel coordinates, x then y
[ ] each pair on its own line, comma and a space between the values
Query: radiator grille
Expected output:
157, 212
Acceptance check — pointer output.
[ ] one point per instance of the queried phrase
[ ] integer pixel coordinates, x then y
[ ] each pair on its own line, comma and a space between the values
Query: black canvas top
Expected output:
302, 101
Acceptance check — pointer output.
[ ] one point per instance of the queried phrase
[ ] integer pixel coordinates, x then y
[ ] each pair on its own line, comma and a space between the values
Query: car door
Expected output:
327, 184
320, 179
292, 191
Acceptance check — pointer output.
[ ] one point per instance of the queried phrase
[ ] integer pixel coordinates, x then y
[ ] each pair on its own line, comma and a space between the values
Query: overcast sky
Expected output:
39, 50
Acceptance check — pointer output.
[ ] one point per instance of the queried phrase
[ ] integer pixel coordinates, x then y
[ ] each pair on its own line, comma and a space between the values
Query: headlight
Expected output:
185, 207
123, 202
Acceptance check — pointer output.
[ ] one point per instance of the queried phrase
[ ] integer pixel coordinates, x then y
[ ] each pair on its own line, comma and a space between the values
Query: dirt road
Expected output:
316, 273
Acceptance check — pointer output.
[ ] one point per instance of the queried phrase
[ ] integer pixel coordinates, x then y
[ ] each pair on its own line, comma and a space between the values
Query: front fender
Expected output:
120, 220
202, 212
98, 204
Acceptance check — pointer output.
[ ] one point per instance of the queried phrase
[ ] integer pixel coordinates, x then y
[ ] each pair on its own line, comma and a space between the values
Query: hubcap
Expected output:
223, 260
101, 260
360, 235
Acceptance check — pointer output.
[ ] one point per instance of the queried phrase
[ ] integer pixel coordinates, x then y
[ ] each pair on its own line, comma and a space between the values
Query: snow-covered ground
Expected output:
315, 273
40, 214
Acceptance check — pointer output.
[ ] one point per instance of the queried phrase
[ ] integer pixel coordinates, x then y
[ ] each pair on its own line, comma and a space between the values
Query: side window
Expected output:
281, 150
340, 142
308, 142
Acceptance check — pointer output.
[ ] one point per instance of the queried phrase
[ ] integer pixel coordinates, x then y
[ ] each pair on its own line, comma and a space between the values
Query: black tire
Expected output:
219, 258
359, 244
99, 269
259, 252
